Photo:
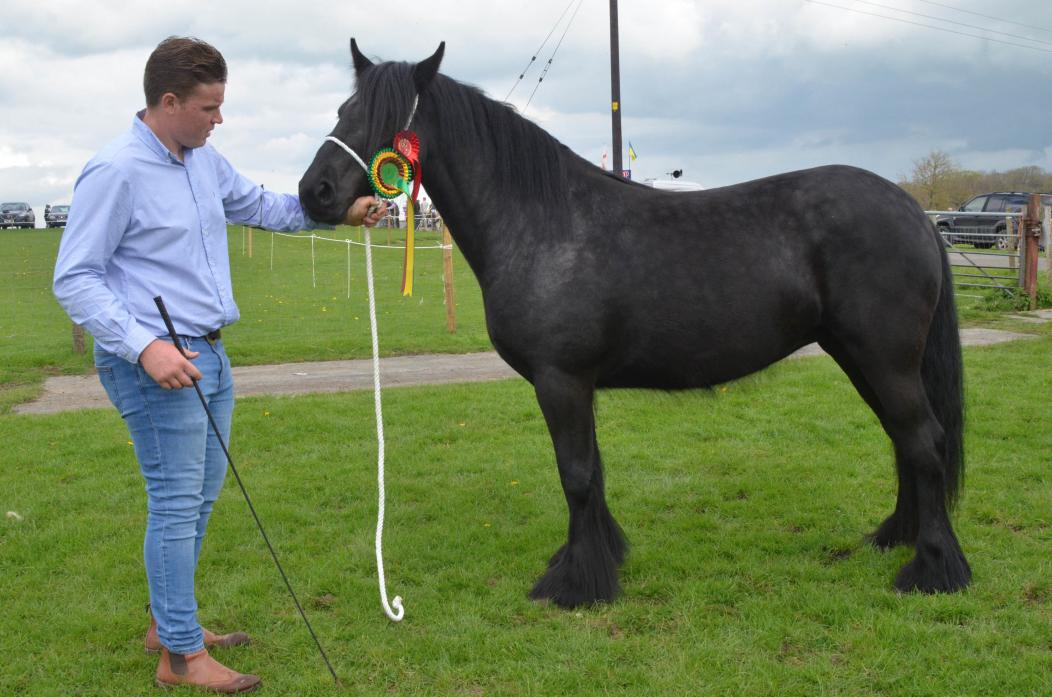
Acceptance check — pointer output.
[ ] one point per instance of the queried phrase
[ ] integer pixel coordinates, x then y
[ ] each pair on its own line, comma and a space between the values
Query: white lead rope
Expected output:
399, 612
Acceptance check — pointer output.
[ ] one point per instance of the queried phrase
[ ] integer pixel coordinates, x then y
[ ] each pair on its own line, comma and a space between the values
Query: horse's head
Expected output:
383, 101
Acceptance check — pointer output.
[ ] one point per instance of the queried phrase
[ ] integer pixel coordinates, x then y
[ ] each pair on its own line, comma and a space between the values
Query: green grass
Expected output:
293, 308
745, 507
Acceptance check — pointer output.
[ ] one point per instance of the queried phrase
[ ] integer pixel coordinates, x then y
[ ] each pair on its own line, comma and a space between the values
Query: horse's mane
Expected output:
529, 161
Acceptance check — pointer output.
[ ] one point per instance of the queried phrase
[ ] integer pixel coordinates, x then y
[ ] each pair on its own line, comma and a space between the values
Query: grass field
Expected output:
294, 305
745, 507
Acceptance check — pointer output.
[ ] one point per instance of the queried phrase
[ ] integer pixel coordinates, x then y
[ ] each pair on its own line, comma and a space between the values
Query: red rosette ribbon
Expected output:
407, 144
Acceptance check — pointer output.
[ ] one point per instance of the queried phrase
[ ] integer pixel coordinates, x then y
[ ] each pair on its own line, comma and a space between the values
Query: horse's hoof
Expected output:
569, 582
935, 570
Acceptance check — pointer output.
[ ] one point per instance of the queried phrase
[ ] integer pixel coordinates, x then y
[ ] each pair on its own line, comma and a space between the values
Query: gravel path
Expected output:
67, 393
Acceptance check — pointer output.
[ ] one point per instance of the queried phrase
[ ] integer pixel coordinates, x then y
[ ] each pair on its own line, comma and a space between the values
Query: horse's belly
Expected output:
683, 370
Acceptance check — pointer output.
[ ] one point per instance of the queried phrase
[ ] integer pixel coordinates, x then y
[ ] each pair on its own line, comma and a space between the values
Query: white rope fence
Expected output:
348, 242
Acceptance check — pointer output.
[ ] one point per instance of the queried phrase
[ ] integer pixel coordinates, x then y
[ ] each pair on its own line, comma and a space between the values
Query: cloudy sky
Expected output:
726, 90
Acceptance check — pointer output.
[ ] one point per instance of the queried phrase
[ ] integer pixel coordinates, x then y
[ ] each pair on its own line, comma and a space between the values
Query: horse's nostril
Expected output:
324, 192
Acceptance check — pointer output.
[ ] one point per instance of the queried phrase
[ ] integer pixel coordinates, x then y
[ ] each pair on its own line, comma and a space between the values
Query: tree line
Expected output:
940, 184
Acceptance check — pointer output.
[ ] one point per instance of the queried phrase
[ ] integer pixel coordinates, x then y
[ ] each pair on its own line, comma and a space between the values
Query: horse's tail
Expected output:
943, 373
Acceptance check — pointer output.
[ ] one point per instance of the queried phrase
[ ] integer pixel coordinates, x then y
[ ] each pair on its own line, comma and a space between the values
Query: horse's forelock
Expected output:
386, 91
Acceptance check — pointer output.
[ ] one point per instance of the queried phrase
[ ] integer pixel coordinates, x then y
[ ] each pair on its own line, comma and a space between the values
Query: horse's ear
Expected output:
424, 71
360, 61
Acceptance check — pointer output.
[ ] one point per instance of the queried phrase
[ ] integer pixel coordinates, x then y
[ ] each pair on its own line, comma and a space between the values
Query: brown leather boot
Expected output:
201, 670
153, 643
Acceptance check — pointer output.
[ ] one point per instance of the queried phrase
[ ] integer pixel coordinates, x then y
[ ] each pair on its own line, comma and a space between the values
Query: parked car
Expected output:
985, 231
55, 216
17, 215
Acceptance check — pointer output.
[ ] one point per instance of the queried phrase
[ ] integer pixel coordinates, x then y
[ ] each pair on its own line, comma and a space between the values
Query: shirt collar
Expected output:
150, 139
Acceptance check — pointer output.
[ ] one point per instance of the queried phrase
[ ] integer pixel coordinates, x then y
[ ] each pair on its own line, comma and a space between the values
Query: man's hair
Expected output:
178, 65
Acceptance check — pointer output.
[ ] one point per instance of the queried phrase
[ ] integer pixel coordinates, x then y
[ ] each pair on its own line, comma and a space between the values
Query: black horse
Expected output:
590, 281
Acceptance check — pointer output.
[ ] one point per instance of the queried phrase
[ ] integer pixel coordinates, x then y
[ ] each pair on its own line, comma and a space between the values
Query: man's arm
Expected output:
247, 203
98, 216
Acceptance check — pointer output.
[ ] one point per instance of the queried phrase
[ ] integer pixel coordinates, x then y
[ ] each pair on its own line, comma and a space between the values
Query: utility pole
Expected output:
615, 88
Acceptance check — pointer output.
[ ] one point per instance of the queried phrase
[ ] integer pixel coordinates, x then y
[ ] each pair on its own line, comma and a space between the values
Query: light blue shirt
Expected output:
144, 224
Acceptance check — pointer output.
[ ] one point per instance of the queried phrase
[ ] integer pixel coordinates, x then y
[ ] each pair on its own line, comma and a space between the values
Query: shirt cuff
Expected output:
311, 224
136, 343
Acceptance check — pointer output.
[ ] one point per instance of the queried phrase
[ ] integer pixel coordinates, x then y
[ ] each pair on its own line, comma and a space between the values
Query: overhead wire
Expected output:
979, 14
548, 65
955, 23
539, 49
929, 26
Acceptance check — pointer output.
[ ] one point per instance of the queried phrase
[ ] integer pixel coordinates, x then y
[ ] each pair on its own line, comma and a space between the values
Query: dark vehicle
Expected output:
55, 216
985, 231
17, 215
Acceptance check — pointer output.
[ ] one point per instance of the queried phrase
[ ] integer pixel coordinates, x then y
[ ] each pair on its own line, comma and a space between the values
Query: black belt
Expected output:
212, 336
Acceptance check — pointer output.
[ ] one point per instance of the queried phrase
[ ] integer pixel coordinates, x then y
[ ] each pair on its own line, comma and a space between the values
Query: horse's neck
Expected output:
490, 218
479, 219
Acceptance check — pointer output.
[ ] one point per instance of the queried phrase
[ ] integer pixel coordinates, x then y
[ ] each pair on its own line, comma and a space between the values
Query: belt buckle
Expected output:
213, 336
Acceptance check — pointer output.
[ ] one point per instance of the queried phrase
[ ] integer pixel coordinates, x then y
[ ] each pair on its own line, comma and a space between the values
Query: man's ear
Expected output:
360, 61
424, 72
169, 101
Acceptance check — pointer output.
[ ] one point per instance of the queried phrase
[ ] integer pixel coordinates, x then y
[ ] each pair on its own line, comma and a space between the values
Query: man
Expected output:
148, 218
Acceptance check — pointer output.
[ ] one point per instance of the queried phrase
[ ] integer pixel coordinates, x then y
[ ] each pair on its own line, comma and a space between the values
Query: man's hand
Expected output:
367, 210
165, 364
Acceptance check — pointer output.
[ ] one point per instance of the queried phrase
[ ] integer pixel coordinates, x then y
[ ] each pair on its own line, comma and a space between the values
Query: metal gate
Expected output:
996, 258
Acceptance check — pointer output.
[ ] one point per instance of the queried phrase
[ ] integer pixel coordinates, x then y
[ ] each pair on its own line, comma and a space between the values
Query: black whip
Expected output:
248, 500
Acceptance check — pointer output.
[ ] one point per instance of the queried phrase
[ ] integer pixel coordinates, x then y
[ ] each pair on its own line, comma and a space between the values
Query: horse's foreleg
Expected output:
584, 570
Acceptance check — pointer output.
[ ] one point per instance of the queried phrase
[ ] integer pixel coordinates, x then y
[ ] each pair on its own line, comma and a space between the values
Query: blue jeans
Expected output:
184, 466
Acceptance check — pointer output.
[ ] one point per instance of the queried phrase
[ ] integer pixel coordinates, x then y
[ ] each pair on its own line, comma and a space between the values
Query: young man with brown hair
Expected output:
148, 218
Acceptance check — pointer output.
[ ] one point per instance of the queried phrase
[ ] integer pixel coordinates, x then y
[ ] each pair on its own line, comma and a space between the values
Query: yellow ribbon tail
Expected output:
407, 268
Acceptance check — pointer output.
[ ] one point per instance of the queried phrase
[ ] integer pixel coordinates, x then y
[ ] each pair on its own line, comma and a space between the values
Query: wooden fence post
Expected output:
78, 339
1048, 240
1031, 229
447, 279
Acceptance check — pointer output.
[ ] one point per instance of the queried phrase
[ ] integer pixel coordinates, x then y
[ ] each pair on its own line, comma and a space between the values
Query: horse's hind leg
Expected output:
900, 528
907, 417
584, 570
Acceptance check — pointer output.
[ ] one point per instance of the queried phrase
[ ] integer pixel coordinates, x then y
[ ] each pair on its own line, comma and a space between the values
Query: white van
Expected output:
675, 185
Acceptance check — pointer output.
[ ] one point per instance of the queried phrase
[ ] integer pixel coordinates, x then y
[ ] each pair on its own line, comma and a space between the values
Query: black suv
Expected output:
17, 215
985, 231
